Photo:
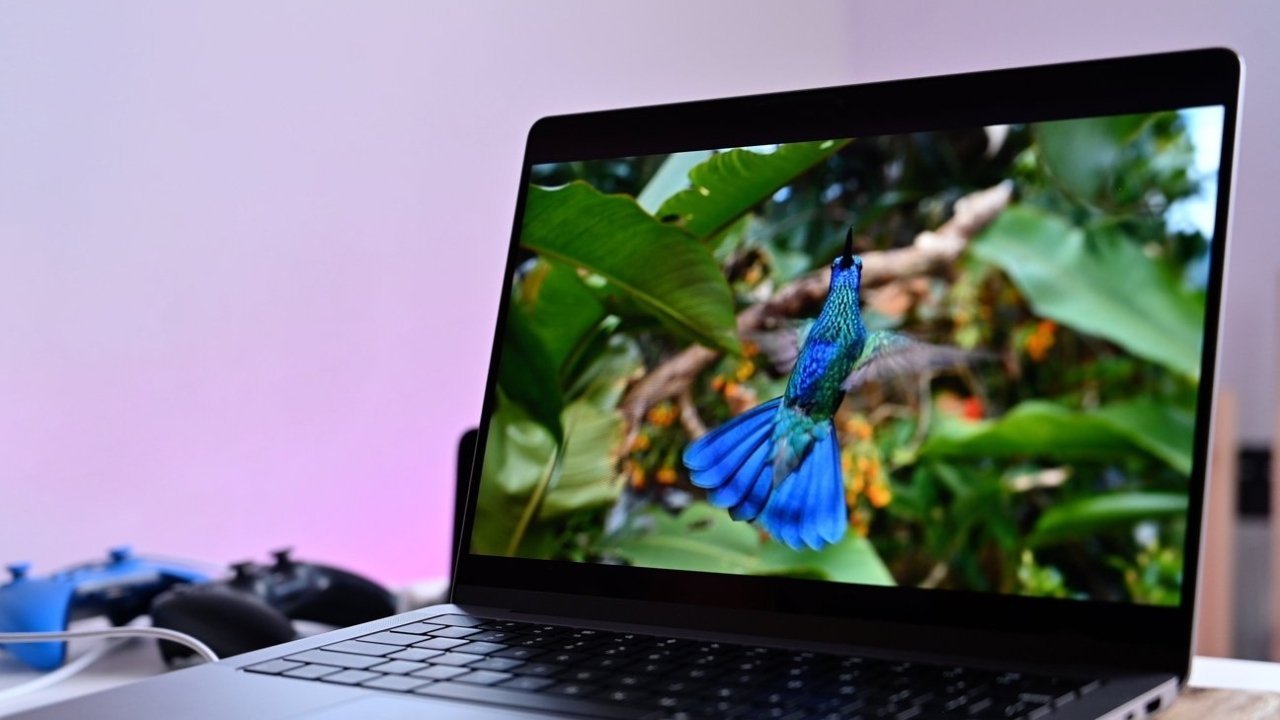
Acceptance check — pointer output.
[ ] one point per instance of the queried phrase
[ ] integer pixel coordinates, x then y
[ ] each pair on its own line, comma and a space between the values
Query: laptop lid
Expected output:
925, 364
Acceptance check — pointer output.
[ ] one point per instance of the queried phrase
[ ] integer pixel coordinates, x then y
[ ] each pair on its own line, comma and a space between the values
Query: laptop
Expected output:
879, 401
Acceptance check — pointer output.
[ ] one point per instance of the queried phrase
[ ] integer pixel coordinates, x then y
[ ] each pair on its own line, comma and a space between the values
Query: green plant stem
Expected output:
535, 502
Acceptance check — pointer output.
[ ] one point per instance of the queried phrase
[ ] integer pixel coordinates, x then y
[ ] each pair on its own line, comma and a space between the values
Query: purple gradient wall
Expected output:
250, 253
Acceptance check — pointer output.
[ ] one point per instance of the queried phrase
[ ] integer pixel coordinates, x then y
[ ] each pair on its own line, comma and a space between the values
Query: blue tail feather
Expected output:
807, 508
733, 461
735, 464
711, 449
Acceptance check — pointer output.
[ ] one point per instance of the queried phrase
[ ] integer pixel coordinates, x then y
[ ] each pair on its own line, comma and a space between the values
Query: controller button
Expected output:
244, 571
283, 561
19, 570
120, 553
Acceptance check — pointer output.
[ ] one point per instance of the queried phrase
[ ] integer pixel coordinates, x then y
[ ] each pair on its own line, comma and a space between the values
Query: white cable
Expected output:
147, 632
66, 671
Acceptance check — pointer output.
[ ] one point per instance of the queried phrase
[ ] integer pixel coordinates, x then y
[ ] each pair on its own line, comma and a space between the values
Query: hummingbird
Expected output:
778, 464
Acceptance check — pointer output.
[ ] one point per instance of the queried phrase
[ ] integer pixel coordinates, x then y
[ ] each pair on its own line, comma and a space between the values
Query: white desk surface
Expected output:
137, 659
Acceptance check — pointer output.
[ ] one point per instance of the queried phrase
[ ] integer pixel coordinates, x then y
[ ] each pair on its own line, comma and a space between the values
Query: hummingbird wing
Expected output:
889, 355
781, 344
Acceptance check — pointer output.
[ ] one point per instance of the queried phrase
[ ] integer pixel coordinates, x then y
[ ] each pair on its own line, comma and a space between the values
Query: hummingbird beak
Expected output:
847, 261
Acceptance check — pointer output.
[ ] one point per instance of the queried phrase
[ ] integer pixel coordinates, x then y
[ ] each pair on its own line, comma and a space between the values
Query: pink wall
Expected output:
250, 253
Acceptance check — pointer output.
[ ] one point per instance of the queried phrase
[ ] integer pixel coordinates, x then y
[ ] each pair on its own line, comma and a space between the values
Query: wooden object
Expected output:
1215, 627
1196, 704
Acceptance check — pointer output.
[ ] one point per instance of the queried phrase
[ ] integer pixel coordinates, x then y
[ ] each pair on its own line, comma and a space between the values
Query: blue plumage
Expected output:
779, 463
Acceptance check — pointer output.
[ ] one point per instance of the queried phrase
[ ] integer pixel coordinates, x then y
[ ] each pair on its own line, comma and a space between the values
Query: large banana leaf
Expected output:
706, 539
587, 477
1043, 429
730, 183
527, 373
1102, 284
1086, 516
672, 177
659, 267
518, 452
521, 456
562, 310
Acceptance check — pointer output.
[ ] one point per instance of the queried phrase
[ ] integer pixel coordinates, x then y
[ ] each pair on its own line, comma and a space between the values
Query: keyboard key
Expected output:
399, 667
398, 683
456, 659
539, 669
311, 672
480, 648
392, 638
440, 643
441, 672
492, 636
483, 677
621, 695
349, 677
415, 654
418, 628
453, 632
525, 682
519, 653
461, 620
336, 659
500, 664
274, 667
575, 689
361, 648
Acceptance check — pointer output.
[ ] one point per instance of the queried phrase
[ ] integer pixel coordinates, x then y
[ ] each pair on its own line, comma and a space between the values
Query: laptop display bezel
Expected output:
1157, 638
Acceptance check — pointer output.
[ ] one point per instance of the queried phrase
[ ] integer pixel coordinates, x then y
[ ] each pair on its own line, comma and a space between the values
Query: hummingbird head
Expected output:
846, 270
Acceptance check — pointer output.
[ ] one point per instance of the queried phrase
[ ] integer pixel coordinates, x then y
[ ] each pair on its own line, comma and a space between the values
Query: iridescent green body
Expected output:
832, 349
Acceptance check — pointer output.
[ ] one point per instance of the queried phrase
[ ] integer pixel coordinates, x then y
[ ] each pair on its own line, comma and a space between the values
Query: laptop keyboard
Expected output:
570, 670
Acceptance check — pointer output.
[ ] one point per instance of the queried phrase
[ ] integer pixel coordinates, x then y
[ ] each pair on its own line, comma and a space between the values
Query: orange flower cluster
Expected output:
1041, 339
864, 474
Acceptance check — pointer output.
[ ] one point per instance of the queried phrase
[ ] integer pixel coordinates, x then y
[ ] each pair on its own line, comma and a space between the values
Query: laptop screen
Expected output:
956, 360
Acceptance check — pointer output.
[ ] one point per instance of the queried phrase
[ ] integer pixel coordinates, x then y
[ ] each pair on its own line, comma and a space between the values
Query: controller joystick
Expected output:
254, 608
121, 588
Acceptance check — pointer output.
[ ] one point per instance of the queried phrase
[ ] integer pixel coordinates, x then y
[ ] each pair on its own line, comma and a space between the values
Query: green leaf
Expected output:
660, 267
527, 374
705, 539
562, 310
1164, 431
1101, 285
1037, 428
1031, 429
672, 177
587, 477
1083, 154
518, 451
852, 560
731, 183
1084, 517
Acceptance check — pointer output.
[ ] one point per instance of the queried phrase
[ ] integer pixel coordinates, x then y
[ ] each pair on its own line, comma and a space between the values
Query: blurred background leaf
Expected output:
1083, 154
1083, 517
1100, 283
561, 310
527, 374
706, 539
587, 477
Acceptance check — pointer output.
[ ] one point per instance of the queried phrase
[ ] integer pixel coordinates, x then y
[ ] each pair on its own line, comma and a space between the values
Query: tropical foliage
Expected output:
1055, 464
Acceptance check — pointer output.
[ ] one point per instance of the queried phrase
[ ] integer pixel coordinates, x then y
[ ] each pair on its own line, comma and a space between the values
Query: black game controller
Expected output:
255, 608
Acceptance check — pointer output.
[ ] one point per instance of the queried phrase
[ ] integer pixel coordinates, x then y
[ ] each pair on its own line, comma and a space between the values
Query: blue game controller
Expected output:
120, 589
